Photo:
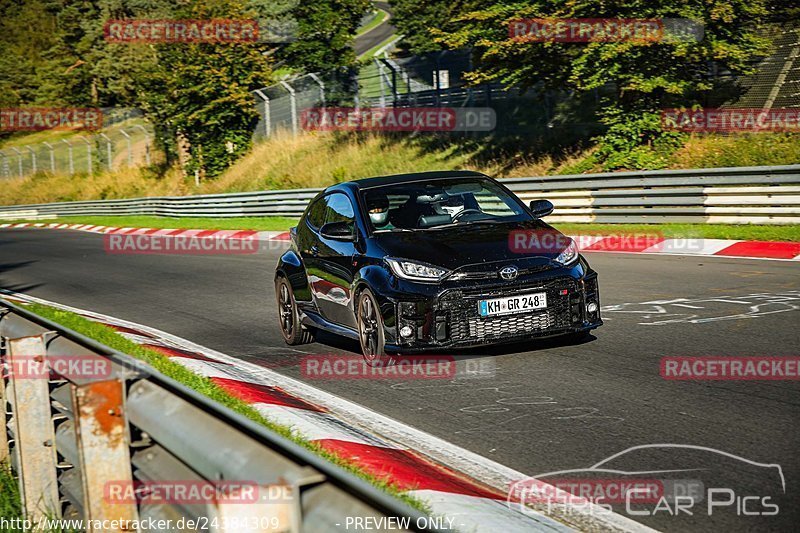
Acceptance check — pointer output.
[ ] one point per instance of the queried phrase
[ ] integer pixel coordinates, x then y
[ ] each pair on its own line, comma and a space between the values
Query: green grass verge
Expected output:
10, 505
706, 231
11, 509
745, 232
208, 388
369, 54
251, 223
376, 21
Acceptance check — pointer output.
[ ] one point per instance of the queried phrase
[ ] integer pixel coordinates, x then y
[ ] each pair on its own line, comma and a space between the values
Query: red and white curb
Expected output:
468, 490
774, 250
159, 232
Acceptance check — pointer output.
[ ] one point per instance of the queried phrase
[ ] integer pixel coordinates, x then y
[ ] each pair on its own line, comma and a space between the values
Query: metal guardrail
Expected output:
741, 195
74, 437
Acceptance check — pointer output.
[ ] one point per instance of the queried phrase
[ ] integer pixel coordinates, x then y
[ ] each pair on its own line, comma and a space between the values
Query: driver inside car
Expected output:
453, 205
378, 208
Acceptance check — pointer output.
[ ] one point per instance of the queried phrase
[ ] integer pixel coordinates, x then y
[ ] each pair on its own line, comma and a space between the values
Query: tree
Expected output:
643, 77
416, 20
199, 95
325, 34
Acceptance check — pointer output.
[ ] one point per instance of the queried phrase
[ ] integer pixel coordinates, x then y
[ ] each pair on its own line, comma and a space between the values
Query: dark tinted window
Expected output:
338, 208
316, 213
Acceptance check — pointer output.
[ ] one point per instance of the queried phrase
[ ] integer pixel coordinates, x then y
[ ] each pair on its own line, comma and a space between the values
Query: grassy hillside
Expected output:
316, 160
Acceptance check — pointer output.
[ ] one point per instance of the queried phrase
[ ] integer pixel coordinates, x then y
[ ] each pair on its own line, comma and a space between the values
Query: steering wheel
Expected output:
464, 212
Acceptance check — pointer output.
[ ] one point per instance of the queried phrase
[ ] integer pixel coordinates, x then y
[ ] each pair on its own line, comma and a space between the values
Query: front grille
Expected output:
466, 324
495, 273
507, 325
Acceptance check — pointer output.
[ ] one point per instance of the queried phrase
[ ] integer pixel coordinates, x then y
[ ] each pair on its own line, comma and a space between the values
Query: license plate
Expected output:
521, 303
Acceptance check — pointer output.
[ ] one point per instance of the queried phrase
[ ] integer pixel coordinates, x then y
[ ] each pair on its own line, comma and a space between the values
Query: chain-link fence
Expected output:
776, 82
126, 140
432, 80
439, 80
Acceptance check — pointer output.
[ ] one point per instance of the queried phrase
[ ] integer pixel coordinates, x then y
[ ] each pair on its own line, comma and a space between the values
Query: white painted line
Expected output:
690, 246
469, 510
314, 425
454, 457
203, 368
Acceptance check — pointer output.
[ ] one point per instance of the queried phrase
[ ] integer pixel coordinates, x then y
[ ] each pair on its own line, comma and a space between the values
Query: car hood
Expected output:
466, 245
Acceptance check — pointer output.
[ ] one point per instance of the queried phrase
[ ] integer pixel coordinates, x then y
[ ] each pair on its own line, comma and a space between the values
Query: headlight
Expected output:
415, 271
569, 255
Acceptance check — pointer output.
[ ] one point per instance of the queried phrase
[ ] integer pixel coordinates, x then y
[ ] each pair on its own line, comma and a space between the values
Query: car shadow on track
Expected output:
342, 343
12, 287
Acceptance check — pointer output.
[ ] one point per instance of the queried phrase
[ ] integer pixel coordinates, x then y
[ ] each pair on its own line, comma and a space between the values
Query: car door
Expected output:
331, 273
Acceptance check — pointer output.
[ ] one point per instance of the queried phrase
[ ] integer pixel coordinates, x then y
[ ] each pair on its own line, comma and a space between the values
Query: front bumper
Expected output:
451, 319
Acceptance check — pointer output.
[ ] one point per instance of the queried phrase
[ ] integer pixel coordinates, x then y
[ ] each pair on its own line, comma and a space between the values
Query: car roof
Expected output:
379, 181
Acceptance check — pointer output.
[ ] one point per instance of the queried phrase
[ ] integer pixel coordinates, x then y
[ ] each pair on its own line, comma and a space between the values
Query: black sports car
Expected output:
434, 260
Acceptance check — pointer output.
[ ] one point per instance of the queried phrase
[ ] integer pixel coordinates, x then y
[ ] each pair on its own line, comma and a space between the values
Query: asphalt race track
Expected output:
547, 407
377, 35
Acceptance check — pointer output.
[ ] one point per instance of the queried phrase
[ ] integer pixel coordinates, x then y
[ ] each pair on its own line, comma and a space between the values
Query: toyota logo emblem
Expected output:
509, 272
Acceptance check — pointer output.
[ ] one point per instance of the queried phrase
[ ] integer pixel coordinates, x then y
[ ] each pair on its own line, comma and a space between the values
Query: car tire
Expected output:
370, 330
293, 331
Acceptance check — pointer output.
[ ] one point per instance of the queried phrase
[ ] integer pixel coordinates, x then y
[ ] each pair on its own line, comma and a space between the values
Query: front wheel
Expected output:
289, 315
370, 330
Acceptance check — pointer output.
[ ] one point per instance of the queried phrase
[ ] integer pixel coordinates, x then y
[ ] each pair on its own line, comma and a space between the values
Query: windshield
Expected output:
439, 204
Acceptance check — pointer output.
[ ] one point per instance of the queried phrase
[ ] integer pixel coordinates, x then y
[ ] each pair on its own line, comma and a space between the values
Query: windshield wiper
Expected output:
392, 230
488, 221
483, 221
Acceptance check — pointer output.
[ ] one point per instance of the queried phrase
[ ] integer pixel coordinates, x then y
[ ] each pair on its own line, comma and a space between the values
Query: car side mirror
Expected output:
541, 208
338, 231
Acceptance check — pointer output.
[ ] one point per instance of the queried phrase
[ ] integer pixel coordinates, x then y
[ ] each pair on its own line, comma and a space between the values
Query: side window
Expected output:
339, 209
316, 214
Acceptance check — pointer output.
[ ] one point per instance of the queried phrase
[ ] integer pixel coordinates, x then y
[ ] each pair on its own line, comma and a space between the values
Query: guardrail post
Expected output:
293, 105
321, 88
33, 427
71, 161
393, 80
6, 170
130, 150
33, 158
19, 159
381, 80
88, 154
4, 455
108, 149
267, 118
101, 431
264, 515
52, 157
146, 143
